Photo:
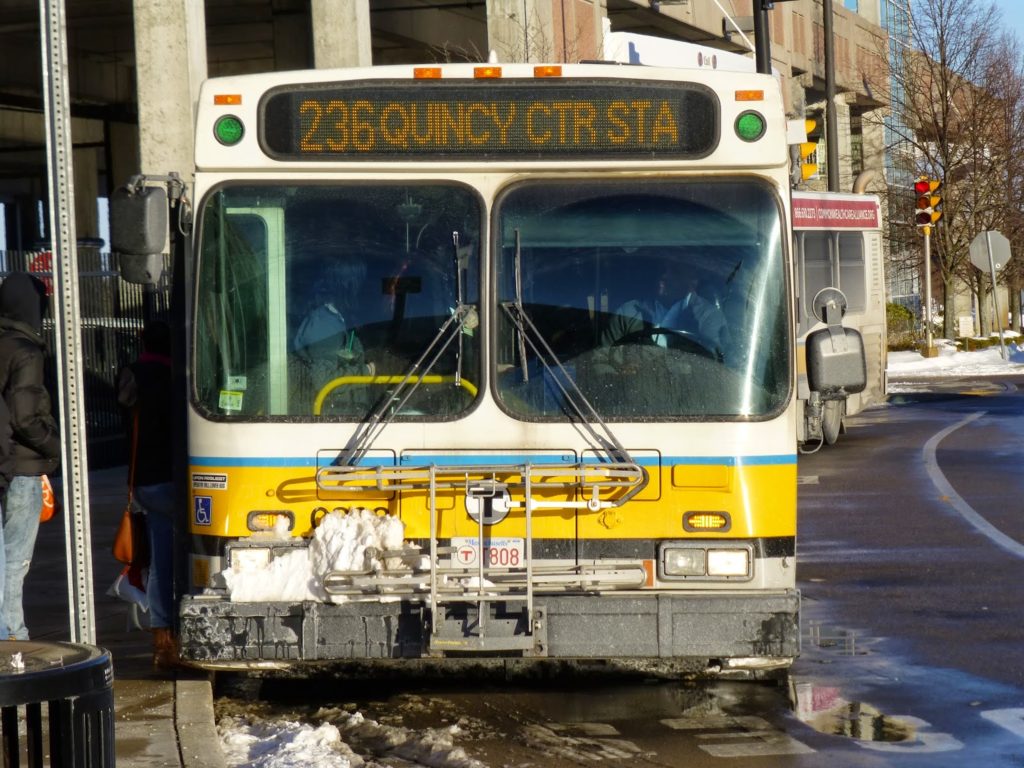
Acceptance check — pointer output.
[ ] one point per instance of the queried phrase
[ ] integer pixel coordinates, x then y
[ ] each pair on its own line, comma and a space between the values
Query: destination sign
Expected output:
482, 120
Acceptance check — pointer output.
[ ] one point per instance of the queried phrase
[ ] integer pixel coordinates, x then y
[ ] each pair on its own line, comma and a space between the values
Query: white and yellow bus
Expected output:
426, 416
837, 243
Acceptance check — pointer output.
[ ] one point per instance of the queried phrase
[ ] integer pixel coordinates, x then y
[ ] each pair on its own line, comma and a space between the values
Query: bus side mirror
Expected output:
836, 362
138, 232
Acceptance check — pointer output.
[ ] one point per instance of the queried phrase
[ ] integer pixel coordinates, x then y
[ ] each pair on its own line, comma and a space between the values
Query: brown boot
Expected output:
165, 649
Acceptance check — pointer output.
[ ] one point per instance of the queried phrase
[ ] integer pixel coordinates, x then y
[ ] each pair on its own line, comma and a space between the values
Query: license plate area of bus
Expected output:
498, 552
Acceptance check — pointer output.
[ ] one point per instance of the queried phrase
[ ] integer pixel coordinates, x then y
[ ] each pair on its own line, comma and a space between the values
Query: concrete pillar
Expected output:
521, 30
170, 64
341, 33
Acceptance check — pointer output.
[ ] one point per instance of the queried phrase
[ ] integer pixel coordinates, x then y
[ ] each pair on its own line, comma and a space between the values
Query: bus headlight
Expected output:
705, 561
728, 562
683, 562
250, 559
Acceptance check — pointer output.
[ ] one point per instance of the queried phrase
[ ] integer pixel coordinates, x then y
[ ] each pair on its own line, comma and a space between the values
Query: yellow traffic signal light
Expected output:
808, 152
928, 201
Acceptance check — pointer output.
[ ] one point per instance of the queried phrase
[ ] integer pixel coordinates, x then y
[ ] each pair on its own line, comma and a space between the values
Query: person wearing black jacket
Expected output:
35, 438
145, 387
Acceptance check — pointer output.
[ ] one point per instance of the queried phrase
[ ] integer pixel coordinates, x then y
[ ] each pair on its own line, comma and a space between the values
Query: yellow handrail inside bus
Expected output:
342, 381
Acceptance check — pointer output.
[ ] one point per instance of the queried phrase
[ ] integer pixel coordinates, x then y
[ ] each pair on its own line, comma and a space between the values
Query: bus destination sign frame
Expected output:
475, 120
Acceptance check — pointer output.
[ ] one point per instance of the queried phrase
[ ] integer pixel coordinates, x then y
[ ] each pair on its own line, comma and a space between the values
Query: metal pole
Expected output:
762, 42
74, 467
995, 302
928, 290
831, 128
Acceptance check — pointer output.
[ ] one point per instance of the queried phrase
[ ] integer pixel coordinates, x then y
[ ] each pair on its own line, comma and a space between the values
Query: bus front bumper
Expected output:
738, 629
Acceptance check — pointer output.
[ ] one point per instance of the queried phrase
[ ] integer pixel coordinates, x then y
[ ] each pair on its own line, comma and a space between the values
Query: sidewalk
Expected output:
159, 722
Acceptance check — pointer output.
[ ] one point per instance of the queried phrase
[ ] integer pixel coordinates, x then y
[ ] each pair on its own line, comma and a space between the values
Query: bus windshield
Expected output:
316, 300
659, 299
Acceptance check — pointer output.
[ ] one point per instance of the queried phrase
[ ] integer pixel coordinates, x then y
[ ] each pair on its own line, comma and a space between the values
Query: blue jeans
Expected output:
21, 524
158, 501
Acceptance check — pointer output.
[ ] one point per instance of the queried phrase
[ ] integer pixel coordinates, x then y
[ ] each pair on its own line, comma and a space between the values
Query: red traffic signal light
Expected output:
928, 201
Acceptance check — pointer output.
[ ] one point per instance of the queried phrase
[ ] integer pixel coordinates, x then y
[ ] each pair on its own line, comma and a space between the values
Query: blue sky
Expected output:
1013, 15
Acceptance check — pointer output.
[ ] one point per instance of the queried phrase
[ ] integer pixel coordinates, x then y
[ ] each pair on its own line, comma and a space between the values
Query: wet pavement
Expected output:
161, 720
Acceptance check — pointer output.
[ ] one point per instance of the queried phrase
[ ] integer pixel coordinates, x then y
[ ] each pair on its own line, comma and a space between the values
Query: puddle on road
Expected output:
823, 709
845, 642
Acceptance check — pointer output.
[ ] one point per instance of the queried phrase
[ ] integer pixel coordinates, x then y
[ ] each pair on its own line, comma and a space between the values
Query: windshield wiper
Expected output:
528, 334
392, 403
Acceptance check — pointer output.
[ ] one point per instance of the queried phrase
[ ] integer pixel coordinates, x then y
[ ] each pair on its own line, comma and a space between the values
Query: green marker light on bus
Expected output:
228, 130
750, 126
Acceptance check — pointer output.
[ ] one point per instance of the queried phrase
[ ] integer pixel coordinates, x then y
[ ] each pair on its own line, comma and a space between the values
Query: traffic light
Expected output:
928, 201
808, 150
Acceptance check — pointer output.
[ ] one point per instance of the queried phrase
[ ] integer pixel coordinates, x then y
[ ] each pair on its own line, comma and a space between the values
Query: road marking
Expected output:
965, 510
747, 736
589, 746
807, 480
584, 729
925, 741
1010, 719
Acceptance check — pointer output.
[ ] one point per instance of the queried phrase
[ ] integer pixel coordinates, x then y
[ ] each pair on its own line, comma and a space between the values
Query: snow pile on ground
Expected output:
257, 743
953, 362
284, 744
341, 542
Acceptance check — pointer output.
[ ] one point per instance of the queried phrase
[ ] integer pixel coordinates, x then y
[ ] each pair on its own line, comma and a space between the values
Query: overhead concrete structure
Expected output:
136, 64
170, 65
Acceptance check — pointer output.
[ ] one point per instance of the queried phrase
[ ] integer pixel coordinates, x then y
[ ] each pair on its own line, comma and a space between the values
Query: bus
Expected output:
432, 411
837, 242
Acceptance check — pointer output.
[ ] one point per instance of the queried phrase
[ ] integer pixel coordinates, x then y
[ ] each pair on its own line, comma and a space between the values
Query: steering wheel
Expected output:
680, 339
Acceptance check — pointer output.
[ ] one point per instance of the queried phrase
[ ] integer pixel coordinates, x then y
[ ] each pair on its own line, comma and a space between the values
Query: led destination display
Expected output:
518, 119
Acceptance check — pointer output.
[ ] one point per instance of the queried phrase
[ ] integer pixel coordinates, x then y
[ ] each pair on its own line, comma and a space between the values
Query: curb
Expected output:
194, 723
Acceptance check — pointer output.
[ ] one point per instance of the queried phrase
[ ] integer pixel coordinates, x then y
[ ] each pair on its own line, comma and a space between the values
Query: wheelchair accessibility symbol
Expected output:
204, 510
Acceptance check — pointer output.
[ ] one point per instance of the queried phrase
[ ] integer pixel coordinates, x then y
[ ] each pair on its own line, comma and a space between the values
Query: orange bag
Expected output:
131, 542
123, 547
49, 501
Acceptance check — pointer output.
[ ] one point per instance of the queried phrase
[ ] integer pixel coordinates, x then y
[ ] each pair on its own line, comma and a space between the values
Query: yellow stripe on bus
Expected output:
760, 500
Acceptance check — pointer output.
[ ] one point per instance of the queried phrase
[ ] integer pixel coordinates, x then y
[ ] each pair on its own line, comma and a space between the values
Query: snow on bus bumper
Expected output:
752, 629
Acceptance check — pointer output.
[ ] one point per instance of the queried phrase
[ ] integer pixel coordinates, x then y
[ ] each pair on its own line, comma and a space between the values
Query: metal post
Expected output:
995, 302
831, 128
59, 149
762, 41
928, 290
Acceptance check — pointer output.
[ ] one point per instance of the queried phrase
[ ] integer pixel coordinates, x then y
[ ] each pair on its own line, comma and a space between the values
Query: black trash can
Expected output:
76, 683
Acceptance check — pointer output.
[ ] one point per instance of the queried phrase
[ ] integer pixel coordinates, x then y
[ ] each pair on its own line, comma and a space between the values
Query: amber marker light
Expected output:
266, 520
548, 70
749, 95
648, 573
706, 521
485, 72
427, 73
227, 99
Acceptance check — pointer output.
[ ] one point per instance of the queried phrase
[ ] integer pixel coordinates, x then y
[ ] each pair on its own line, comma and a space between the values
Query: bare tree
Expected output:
947, 123
1005, 82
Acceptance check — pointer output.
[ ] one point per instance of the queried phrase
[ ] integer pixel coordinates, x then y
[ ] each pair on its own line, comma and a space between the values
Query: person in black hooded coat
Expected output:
35, 441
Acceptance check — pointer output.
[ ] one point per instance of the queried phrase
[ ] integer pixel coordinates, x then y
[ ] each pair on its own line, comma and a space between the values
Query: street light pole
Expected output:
762, 41
929, 347
67, 326
831, 128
